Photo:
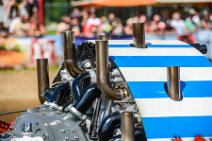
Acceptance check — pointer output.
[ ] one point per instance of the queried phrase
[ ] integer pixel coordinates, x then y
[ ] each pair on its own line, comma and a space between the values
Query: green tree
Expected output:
55, 9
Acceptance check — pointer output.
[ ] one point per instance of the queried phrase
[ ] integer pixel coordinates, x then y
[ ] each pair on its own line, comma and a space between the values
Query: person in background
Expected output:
128, 27
111, 18
36, 29
84, 25
105, 26
1, 27
93, 24
76, 13
118, 30
9, 11
206, 21
204, 33
75, 26
195, 17
64, 24
32, 8
179, 25
156, 25
22, 8
20, 26
3, 30
140, 18
192, 21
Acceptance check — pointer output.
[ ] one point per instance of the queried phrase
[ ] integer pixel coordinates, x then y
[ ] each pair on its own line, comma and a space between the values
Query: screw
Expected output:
66, 138
63, 131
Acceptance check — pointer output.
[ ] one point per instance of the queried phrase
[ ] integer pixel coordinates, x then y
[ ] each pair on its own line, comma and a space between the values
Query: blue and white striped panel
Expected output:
145, 72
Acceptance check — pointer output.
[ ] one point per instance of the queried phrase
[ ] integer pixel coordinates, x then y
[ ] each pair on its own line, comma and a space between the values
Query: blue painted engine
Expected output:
113, 90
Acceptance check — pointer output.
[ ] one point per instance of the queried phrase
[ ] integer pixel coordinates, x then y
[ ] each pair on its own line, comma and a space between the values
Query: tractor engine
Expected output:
112, 90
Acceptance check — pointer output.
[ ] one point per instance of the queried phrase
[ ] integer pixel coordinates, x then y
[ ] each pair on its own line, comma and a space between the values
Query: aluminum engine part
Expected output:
50, 124
65, 76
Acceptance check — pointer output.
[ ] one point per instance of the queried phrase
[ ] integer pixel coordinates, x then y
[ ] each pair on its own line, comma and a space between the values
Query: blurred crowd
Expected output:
85, 23
20, 18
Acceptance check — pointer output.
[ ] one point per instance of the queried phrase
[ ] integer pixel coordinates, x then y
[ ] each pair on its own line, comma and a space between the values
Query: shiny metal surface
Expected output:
103, 74
70, 54
75, 112
139, 35
57, 79
173, 83
127, 126
103, 37
43, 77
68, 45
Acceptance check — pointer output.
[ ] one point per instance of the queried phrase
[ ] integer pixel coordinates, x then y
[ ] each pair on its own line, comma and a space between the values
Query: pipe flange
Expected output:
53, 106
75, 112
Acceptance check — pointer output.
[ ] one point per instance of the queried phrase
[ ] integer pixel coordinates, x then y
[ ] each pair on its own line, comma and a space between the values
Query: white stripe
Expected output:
120, 42
156, 42
154, 52
166, 107
116, 42
166, 42
183, 139
160, 73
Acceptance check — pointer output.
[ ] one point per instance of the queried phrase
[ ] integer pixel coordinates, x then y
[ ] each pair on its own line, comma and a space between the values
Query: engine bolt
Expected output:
66, 138
63, 131
76, 138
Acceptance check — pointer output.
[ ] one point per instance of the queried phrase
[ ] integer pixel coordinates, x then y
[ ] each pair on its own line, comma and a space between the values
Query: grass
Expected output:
18, 90
52, 68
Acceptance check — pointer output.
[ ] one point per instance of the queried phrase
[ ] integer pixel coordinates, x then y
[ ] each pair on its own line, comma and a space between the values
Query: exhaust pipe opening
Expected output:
103, 37
70, 62
43, 77
139, 35
172, 86
127, 126
103, 74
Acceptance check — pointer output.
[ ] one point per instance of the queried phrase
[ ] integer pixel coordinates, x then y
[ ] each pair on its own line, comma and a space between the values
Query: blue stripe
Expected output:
149, 46
156, 89
161, 61
168, 46
169, 127
120, 46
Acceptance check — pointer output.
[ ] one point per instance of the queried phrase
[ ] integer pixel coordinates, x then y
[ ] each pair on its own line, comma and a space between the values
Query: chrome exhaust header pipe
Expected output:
173, 83
102, 73
103, 37
43, 77
139, 35
70, 54
68, 44
127, 126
